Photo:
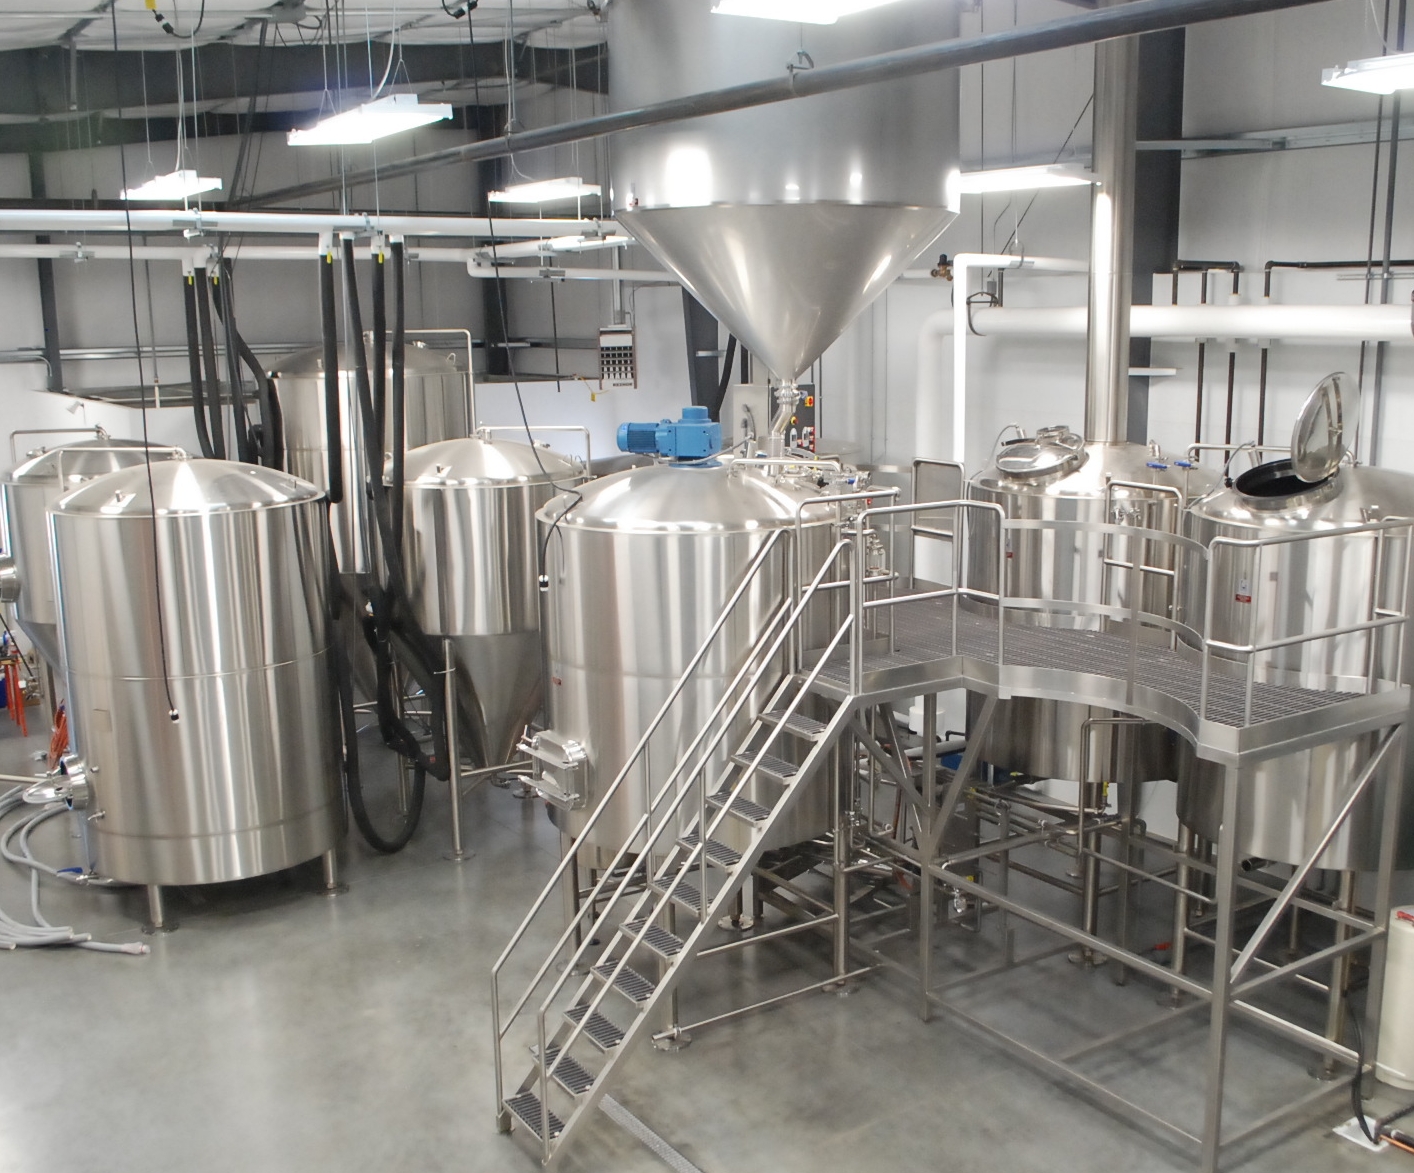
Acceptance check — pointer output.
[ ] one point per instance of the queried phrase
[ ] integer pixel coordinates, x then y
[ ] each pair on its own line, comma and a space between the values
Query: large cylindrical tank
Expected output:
473, 564
27, 493
784, 220
437, 395
640, 568
1056, 476
207, 597
1305, 586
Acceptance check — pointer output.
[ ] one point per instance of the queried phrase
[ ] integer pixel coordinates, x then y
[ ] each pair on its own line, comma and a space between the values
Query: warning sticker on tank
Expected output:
1244, 590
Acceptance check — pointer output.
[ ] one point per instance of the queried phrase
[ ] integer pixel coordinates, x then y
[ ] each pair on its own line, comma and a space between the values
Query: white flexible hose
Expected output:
16, 934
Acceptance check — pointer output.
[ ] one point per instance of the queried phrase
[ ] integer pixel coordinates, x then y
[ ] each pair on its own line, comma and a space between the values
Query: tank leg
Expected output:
454, 758
1340, 976
1178, 947
157, 921
929, 784
330, 863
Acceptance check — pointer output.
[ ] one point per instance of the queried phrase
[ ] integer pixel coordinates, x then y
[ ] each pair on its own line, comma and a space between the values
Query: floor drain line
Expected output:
650, 1140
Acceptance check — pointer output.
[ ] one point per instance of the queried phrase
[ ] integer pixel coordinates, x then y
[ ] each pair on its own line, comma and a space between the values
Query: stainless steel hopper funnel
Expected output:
786, 220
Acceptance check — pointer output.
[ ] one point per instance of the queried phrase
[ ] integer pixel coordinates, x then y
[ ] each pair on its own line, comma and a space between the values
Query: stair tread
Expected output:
797, 723
686, 893
743, 808
603, 1032
656, 938
526, 1107
716, 852
569, 1073
629, 982
769, 764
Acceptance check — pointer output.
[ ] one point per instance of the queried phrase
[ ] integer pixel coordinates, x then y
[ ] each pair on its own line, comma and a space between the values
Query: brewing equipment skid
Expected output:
28, 493
1340, 583
1056, 477
472, 558
194, 621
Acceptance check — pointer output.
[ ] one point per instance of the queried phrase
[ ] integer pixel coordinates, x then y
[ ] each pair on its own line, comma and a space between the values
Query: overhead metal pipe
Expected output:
151, 221
1111, 241
1140, 16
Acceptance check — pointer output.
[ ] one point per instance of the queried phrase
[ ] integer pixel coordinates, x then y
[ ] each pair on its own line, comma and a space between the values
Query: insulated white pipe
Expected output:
1262, 322
962, 266
151, 220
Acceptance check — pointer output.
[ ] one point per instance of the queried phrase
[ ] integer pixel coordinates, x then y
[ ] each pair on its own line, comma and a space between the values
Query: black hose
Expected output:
198, 400
333, 431
715, 408
392, 624
212, 388
352, 774
399, 395
271, 430
380, 354
245, 449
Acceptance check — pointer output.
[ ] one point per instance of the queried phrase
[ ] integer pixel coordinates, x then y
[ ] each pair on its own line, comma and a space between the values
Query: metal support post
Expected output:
1178, 946
330, 864
1340, 973
1395, 786
1225, 894
454, 757
843, 806
1128, 808
157, 921
928, 838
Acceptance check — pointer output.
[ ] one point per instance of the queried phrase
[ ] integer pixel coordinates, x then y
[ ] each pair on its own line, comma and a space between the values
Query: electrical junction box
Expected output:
749, 407
618, 365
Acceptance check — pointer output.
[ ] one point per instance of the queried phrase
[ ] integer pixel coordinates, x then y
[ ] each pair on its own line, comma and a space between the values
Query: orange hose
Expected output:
59, 738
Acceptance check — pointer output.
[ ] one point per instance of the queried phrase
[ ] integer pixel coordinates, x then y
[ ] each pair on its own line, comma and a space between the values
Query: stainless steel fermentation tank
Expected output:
1289, 801
437, 408
472, 557
28, 493
1055, 476
194, 623
640, 568
785, 220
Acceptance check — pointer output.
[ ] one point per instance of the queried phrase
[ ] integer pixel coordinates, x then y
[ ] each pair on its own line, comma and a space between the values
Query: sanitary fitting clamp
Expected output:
561, 768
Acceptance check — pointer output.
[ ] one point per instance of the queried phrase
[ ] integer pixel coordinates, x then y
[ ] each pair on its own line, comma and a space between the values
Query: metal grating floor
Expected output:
923, 634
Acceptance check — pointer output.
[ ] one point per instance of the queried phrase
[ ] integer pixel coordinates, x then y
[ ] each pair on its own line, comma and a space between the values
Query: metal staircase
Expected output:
606, 979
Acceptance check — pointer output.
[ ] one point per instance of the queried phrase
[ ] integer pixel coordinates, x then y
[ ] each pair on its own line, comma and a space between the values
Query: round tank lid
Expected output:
1318, 441
684, 498
1050, 450
486, 460
420, 361
187, 487
86, 459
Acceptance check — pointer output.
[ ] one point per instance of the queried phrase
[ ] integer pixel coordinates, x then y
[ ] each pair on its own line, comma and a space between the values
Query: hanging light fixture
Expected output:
1373, 75
799, 11
545, 191
370, 122
175, 185
1021, 178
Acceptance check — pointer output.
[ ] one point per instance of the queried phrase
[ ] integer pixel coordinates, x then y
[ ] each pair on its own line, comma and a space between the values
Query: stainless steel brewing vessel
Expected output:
640, 567
472, 558
1289, 801
27, 493
1055, 475
195, 628
437, 408
784, 220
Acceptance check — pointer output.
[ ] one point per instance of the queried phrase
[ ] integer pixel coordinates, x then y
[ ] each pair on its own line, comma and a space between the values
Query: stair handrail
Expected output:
758, 560
645, 856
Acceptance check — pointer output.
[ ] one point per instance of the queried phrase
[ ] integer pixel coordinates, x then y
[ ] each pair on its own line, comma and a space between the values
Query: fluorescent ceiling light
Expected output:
175, 185
373, 120
1022, 179
545, 191
1373, 75
799, 11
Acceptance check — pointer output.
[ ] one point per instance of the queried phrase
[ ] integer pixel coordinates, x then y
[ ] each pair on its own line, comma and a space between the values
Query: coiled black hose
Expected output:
271, 422
399, 395
240, 420
198, 399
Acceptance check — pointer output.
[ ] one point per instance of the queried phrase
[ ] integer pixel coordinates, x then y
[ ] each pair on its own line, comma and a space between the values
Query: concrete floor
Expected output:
278, 1029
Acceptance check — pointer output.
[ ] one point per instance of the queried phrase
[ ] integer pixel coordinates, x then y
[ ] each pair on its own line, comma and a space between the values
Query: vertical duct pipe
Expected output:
1111, 241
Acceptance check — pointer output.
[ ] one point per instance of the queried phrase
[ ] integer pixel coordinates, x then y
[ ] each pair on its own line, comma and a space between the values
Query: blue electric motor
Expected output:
693, 437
